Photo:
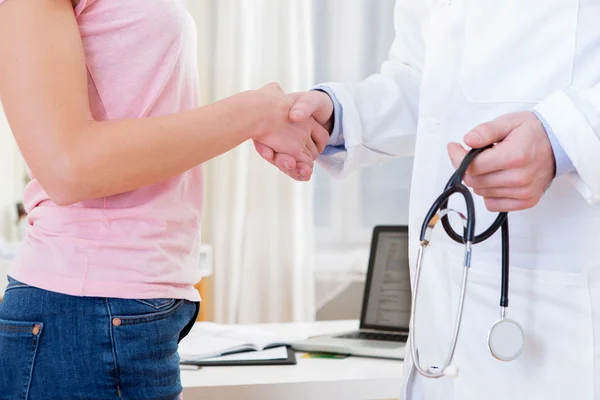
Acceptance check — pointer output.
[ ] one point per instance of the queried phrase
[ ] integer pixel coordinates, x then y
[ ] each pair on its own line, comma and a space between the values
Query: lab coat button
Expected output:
430, 125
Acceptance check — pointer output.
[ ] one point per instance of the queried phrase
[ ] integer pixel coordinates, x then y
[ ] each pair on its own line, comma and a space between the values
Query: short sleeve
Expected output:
78, 9
82, 5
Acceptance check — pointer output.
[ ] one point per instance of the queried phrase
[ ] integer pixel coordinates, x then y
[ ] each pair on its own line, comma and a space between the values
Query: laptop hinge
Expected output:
384, 331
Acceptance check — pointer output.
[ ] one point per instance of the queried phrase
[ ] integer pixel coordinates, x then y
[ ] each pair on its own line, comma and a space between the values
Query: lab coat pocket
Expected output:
518, 51
553, 307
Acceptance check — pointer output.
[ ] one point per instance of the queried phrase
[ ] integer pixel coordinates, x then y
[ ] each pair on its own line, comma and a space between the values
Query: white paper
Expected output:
277, 353
207, 340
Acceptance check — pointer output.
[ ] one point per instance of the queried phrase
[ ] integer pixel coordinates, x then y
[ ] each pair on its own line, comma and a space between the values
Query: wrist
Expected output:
251, 110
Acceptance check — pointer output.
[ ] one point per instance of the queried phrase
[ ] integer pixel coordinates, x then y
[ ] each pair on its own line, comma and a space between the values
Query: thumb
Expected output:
491, 132
306, 104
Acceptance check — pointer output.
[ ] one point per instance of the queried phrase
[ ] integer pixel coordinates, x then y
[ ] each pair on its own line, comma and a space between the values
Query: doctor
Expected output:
524, 74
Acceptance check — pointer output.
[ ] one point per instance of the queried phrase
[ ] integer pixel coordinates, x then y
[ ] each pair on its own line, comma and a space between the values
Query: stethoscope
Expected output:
506, 337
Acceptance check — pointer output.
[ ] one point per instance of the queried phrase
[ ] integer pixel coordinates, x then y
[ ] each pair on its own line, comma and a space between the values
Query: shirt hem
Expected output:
110, 289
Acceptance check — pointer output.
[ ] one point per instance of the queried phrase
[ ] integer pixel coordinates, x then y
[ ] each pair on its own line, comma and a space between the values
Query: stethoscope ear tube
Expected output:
441, 204
447, 369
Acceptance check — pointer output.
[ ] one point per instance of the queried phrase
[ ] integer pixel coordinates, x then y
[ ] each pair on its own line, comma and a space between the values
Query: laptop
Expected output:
385, 313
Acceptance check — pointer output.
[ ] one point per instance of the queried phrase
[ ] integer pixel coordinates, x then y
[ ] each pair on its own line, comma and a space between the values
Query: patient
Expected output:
104, 107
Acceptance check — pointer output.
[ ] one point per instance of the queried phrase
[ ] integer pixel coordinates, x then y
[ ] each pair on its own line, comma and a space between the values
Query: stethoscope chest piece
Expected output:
506, 340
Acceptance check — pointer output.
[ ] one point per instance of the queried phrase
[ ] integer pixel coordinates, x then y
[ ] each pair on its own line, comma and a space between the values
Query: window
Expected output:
349, 47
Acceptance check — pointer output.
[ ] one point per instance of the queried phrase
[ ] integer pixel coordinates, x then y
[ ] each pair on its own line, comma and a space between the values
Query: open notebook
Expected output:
208, 340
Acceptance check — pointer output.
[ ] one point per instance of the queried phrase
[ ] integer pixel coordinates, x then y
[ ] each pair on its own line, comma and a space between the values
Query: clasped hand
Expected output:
296, 131
514, 174
511, 176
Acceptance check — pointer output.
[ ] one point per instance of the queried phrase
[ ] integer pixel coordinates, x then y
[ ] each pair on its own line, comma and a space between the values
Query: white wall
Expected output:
12, 172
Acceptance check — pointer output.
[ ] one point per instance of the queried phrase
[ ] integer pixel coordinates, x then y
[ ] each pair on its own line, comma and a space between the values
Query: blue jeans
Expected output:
55, 346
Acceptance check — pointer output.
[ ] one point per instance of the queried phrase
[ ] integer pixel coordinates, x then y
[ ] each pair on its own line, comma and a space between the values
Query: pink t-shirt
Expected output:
141, 61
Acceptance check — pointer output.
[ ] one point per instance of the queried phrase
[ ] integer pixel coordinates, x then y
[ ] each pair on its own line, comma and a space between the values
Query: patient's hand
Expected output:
313, 105
291, 145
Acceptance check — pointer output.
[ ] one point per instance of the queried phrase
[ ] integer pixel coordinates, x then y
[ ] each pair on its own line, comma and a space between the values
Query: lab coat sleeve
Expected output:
380, 113
574, 117
562, 161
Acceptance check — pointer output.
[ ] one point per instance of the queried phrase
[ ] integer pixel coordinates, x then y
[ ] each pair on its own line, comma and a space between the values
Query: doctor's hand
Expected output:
277, 134
313, 105
514, 174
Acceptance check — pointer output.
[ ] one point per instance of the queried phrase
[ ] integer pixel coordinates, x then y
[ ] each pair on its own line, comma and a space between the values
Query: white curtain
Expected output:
353, 38
260, 221
12, 181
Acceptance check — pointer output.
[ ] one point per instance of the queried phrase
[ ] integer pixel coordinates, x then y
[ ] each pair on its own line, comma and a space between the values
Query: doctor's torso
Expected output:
486, 58
483, 59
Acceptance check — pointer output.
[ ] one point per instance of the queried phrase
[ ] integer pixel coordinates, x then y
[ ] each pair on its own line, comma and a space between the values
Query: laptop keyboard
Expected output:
386, 337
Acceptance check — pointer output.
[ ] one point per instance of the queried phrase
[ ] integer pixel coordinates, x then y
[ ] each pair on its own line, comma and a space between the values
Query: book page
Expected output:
211, 340
277, 353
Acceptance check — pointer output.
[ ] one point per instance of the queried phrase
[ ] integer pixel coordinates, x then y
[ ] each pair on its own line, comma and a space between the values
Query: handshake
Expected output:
293, 129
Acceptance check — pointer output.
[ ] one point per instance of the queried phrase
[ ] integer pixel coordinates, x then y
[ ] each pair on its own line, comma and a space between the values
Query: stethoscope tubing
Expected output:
501, 222
439, 211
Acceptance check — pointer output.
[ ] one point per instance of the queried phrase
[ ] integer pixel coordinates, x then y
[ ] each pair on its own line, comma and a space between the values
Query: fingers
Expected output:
457, 153
515, 193
513, 174
265, 151
284, 162
306, 156
312, 148
293, 145
508, 205
302, 172
500, 157
305, 171
486, 162
492, 132
499, 179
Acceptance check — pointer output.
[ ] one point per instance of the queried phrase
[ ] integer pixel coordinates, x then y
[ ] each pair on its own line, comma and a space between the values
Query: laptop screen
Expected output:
388, 295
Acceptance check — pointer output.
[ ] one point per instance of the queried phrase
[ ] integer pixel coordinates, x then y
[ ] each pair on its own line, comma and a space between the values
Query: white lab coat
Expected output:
453, 65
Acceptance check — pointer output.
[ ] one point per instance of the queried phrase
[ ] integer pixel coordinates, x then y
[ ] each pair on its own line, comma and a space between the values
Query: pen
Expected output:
189, 367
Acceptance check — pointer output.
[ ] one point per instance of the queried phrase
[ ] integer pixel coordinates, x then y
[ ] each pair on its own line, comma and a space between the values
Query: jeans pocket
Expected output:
18, 348
146, 346
188, 328
157, 304
143, 312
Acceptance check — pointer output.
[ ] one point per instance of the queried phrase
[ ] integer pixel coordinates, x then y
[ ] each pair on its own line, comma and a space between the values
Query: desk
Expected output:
352, 378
